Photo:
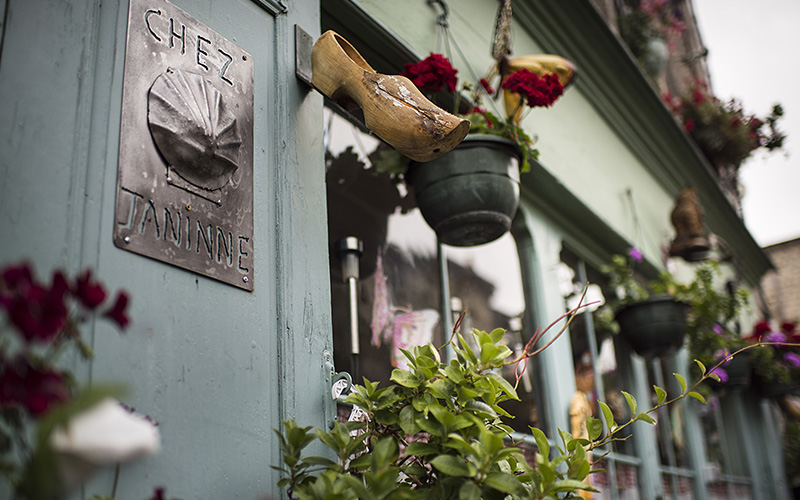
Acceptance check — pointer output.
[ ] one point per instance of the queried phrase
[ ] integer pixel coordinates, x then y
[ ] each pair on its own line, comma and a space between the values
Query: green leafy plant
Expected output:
631, 287
712, 322
723, 131
437, 432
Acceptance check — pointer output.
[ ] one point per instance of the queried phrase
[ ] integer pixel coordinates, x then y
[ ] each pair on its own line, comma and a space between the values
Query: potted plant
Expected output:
649, 28
711, 328
437, 432
470, 195
776, 364
652, 316
724, 133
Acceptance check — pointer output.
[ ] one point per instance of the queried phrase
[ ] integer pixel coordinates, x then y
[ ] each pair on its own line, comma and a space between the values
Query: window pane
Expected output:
486, 282
397, 294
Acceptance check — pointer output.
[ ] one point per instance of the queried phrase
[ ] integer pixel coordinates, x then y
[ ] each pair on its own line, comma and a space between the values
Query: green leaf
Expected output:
714, 376
404, 378
646, 418
504, 384
631, 402
702, 366
421, 449
497, 335
541, 442
504, 482
570, 484
681, 381
697, 396
661, 393
594, 427
481, 409
469, 491
453, 466
608, 416
408, 421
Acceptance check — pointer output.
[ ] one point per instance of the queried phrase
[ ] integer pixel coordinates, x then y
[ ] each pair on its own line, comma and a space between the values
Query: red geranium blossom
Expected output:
38, 312
117, 312
90, 293
487, 86
34, 389
432, 73
538, 90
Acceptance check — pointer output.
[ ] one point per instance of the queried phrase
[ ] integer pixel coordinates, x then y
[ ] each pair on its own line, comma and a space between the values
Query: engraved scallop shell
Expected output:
192, 128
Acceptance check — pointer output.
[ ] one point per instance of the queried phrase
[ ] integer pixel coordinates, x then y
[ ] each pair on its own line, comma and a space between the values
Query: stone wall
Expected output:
782, 287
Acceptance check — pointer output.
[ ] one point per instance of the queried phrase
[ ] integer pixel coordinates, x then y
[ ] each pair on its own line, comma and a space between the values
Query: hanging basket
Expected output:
470, 195
773, 389
654, 327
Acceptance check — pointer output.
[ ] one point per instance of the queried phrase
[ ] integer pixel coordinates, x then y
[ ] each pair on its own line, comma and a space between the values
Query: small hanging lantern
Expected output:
688, 217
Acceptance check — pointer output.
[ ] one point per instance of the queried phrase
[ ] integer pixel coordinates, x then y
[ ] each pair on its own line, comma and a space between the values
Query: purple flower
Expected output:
635, 254
792, 358
776, 337
723, 375
723, 354
718, 329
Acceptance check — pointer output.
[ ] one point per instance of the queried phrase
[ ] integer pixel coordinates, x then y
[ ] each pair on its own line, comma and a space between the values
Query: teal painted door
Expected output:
216, 366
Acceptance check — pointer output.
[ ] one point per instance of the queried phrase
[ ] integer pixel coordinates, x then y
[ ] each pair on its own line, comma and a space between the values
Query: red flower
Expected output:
487, 86
117, 312
35, 389
698, 97
37, 312
479, 110
689, 125
432, 73
537, 90
91, 294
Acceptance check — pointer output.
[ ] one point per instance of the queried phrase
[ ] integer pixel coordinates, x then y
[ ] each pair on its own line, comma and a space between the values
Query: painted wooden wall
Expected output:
217, 367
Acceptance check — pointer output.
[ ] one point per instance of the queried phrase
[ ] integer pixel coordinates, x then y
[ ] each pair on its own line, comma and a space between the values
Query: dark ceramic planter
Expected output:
772, 389
469, 195
654, 327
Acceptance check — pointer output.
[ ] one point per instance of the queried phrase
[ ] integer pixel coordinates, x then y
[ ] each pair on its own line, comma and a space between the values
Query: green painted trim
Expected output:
585, 231
611, 80
374, 41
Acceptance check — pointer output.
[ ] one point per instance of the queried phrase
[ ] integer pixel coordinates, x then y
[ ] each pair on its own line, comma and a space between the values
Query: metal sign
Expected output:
185, 173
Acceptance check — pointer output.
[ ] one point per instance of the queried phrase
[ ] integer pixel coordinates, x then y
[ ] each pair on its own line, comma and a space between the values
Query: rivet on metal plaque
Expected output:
185, 173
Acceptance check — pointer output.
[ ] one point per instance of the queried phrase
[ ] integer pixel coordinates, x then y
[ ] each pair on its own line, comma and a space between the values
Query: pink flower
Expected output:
718, 329
722, 374
723, 354
792, 358
635, 254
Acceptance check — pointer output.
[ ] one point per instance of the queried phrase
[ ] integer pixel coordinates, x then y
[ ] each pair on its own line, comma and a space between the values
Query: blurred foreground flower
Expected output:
106, 434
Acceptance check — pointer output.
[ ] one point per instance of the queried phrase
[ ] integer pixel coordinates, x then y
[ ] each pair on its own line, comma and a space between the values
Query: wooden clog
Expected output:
393, 107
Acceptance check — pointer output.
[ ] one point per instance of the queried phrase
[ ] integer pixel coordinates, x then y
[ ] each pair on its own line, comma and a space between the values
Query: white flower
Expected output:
106, 434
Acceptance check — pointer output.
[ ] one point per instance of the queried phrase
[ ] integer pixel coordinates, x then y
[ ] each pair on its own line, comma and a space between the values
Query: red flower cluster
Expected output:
46, 315
764, 331
538, 90
432, 73
34, 388
40, 312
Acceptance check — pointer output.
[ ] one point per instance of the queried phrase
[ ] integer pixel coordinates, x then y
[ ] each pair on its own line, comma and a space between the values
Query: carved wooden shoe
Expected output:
393, 107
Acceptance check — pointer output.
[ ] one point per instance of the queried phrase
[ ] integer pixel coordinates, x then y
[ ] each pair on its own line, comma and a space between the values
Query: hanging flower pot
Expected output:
654, 327
469, 195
